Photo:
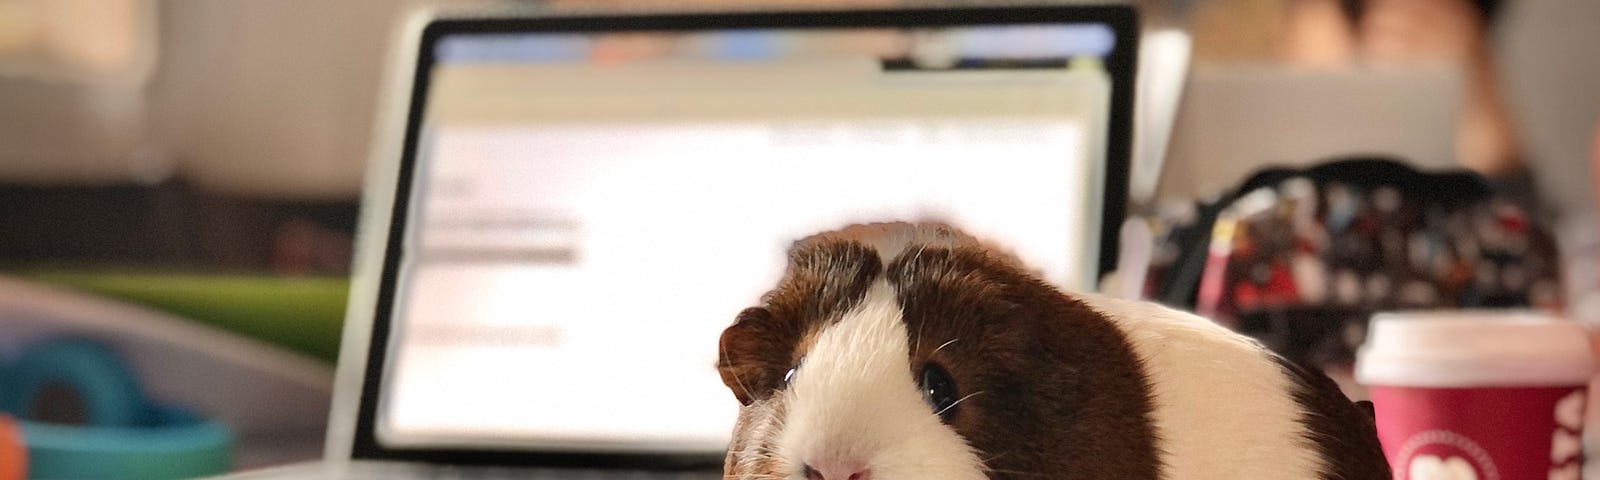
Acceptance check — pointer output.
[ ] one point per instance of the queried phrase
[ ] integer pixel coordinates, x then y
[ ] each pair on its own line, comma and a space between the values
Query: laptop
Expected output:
1236, 120
565, 211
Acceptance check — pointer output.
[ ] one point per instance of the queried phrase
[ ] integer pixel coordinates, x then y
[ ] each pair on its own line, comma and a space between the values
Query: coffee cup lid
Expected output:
1474, 349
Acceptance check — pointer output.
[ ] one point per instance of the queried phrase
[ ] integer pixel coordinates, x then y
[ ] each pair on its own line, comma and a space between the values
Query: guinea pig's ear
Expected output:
750, 349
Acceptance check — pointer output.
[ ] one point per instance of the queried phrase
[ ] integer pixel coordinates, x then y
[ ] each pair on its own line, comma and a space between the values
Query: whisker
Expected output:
918, 345
1016, 472
958, 402
941, 347
923, 324
762, 451
987, 468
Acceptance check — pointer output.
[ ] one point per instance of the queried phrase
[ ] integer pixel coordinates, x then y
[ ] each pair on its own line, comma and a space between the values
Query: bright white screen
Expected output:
572, 258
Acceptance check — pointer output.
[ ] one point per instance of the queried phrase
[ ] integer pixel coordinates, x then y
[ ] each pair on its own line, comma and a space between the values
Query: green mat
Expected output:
303, 314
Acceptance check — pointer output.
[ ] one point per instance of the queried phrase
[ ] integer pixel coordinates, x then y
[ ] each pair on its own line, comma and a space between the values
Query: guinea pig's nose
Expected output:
837, 470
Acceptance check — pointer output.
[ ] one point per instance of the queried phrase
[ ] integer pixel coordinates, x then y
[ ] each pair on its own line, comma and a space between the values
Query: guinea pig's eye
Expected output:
939, 390
789, 377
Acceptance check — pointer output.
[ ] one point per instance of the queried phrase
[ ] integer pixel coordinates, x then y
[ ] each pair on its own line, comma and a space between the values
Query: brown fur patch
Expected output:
1062, 395
824, 279
1343, 435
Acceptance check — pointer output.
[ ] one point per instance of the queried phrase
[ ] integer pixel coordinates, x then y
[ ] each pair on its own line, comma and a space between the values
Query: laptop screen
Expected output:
590, 209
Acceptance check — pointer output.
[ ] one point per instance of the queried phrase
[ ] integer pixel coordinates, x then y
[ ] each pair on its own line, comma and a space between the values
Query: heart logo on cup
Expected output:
1429, 467
1565, 446
1569, 411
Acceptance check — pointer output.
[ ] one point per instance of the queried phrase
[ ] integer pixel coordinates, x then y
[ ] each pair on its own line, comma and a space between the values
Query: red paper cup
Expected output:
1478, 395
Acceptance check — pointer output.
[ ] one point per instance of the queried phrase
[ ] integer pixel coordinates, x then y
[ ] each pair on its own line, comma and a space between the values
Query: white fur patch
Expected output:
892, 239
1222, 406
854, 400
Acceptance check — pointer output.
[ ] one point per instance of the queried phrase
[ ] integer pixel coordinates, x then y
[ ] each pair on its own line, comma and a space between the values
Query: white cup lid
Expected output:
1446, 349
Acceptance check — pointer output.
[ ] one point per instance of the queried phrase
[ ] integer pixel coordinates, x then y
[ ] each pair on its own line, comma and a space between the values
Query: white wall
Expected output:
72, 74
270, 98
1550, 56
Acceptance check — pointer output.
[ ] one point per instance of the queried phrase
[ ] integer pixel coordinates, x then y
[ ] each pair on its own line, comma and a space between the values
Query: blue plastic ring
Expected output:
110, 393
124, 437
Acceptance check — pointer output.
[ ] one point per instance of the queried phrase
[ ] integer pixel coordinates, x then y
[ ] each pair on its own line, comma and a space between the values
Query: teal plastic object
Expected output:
178, 444
123, 437
110, 394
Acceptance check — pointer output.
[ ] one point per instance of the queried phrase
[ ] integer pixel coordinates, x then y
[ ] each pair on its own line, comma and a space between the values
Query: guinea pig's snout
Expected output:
833, 469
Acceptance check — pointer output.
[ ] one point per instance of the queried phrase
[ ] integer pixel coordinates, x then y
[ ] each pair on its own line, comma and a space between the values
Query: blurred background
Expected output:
198, 165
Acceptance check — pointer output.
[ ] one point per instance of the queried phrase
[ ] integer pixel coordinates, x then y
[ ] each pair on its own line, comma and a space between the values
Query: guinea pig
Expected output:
898, 351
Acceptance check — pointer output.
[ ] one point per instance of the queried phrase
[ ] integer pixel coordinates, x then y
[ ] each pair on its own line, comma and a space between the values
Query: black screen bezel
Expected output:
1121, 63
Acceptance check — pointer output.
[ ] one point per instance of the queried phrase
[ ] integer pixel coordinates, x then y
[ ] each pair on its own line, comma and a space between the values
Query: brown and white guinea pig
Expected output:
897, 352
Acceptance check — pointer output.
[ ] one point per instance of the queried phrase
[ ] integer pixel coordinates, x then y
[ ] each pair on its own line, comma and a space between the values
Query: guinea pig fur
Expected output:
897, 351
